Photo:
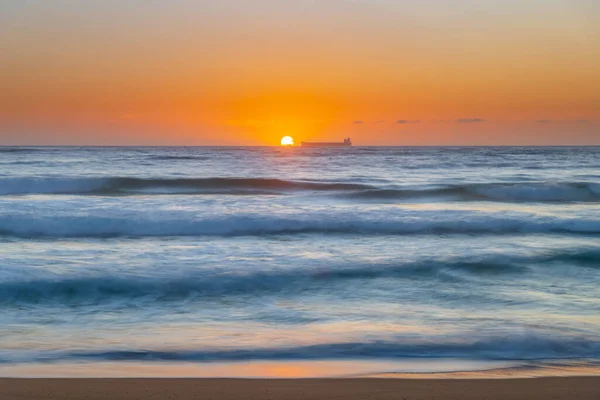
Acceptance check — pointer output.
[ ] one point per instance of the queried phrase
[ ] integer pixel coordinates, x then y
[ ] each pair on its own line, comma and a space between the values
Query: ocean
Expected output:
134, 257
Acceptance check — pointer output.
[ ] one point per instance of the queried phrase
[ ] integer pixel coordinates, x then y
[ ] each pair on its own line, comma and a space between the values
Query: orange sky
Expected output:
183, 72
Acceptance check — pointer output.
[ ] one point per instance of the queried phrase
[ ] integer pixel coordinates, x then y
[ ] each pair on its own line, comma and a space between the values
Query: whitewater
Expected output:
150, 255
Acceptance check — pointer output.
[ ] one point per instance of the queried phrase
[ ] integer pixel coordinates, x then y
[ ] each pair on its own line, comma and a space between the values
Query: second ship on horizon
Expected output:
346, 143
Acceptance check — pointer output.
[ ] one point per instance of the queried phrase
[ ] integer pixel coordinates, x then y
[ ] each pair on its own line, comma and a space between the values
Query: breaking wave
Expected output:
82, 290
139, 225
471, 345
507, 192
127, 185
531, 191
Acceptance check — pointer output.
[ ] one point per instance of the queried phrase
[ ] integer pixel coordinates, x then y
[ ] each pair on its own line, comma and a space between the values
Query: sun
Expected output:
287, 141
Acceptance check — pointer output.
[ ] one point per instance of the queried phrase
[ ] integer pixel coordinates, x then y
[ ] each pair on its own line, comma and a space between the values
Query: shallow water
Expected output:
175, 255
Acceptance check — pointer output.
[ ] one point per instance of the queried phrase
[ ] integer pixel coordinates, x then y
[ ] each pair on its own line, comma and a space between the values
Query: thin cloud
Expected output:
470, 120
564, 121
358, 122
406, 121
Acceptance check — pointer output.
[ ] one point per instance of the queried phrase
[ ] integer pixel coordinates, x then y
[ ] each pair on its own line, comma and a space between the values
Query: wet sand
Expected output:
572, 388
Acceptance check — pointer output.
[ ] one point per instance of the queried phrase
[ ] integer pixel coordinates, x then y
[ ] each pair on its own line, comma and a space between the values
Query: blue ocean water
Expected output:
207, 254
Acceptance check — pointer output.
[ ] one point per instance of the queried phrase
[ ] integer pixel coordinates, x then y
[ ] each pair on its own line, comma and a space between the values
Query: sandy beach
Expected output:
305, 389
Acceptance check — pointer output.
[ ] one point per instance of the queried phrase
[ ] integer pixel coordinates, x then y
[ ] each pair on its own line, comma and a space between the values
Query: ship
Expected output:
346, 143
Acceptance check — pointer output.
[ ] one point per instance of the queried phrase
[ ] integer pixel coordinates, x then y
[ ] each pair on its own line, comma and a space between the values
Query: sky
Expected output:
247, 72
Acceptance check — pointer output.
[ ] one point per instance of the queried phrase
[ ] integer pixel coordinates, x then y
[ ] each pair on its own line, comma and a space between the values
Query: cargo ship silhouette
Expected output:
346, 143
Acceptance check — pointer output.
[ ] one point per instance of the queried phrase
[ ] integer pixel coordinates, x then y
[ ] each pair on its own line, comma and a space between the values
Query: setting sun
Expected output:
287, 141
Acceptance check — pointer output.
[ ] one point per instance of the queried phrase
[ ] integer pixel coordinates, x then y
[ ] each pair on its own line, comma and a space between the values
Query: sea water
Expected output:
208, 256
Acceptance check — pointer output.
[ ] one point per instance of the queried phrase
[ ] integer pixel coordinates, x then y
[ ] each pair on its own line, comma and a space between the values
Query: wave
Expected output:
178, 157
506, 192
130, 185
471, 345
517, 192
188, 285
100, 289
149, 224
18, 149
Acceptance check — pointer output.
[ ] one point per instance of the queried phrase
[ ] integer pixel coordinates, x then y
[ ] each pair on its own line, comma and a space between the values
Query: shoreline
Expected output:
315, 369
291, 389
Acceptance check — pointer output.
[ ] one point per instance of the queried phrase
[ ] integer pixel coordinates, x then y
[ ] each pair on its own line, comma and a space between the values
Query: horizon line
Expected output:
294, 146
